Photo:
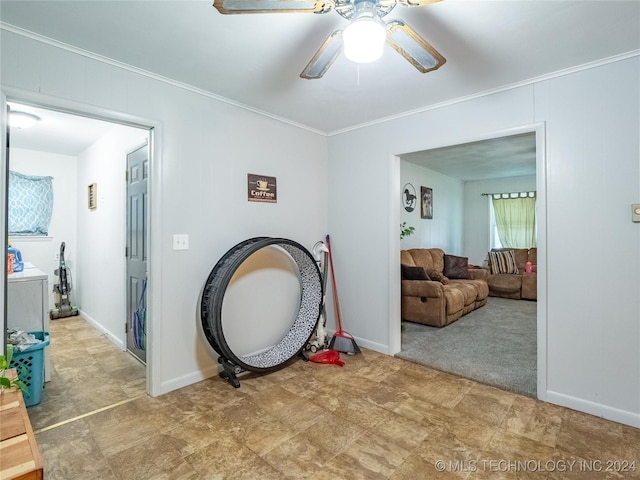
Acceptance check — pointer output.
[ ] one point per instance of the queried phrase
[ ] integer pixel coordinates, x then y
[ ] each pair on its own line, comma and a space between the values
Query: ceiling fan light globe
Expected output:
364, 40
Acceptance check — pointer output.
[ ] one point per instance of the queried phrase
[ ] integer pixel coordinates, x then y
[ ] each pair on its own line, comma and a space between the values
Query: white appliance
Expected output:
28, 305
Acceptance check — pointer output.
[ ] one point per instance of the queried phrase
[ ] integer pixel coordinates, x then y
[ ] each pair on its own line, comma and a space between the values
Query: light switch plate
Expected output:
635, 212
181, 242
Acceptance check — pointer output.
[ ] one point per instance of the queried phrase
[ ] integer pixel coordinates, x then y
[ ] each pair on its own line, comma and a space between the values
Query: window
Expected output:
494, 238
513, 220
30, 204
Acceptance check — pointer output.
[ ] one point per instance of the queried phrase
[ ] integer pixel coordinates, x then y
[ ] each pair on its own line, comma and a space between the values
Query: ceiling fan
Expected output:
367, 30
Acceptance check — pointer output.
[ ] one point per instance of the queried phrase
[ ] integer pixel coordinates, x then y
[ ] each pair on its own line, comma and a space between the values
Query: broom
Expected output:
341, 341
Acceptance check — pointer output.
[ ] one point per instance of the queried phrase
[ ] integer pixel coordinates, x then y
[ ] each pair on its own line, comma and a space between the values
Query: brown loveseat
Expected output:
518, 285
432, 302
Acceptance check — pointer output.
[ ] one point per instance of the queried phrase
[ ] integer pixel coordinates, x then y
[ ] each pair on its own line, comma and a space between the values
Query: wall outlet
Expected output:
181, 242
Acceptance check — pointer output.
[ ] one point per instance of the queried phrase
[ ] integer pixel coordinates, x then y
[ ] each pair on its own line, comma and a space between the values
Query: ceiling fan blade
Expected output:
324, 57
273, 6
416, 3
413, 47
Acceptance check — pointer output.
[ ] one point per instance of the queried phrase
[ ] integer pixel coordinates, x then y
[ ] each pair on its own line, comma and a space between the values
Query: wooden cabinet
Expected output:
21, 458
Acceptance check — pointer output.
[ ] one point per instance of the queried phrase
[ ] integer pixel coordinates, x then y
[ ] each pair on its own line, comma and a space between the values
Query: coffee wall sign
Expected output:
262, 188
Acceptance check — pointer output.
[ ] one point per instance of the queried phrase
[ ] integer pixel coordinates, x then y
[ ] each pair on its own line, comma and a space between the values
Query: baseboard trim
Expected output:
373, 345
110, 335
604, 411
189, 379
198, 376
363, 342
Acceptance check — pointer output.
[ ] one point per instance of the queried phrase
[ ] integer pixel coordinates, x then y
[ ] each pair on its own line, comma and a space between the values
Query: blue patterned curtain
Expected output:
30, 204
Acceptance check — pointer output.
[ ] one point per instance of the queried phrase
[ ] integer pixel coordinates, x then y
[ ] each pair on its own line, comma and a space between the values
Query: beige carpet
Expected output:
495, 344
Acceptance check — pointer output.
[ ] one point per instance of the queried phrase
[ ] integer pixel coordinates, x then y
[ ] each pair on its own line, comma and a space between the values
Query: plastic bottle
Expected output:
15, 258
528, 267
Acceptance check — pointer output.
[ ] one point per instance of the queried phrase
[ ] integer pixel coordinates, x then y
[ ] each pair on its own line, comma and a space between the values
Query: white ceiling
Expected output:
511, 156
57, 132
255, 60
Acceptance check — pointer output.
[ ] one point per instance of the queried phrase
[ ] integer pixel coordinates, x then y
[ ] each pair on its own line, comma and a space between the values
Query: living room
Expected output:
498, 344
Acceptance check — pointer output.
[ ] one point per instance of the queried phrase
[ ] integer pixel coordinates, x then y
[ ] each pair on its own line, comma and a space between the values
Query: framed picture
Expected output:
92, 196
262, 188
426, 201
409, 198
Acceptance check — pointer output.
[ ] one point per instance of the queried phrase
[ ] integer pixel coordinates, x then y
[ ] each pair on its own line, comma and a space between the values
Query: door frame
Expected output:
395, 334
154, 266
4, 129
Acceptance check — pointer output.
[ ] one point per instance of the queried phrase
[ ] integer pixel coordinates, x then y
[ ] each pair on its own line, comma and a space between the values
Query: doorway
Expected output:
85, 155
472, 211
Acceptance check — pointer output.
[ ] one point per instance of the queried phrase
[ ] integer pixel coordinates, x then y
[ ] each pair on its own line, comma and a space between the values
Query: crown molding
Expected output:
206, 93
125, 66
530, 81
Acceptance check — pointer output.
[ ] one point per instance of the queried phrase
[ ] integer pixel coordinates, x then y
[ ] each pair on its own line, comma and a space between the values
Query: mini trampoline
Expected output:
302, 327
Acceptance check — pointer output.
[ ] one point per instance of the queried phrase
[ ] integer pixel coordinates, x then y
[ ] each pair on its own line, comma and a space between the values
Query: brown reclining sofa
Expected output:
432, 302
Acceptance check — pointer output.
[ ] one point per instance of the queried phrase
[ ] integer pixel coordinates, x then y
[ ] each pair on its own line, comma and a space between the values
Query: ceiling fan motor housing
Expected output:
359, 9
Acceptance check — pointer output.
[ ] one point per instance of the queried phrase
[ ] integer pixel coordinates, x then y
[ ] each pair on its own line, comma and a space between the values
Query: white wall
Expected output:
42, 251
593, 177
444, 230
203, 151
592, 358
100, 281
371, 289
476, 211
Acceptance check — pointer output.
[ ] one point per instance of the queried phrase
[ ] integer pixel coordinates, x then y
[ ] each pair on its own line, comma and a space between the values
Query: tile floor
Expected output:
378, 417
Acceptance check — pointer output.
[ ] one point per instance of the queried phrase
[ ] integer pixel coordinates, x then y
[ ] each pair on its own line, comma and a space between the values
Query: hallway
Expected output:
88, 373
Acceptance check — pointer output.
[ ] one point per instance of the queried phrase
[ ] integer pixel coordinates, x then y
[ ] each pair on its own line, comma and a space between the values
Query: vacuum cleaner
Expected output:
319, 341
63, 291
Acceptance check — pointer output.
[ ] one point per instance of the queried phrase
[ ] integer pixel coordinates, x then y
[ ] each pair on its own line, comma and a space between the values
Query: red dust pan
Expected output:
341, 341
327, 357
